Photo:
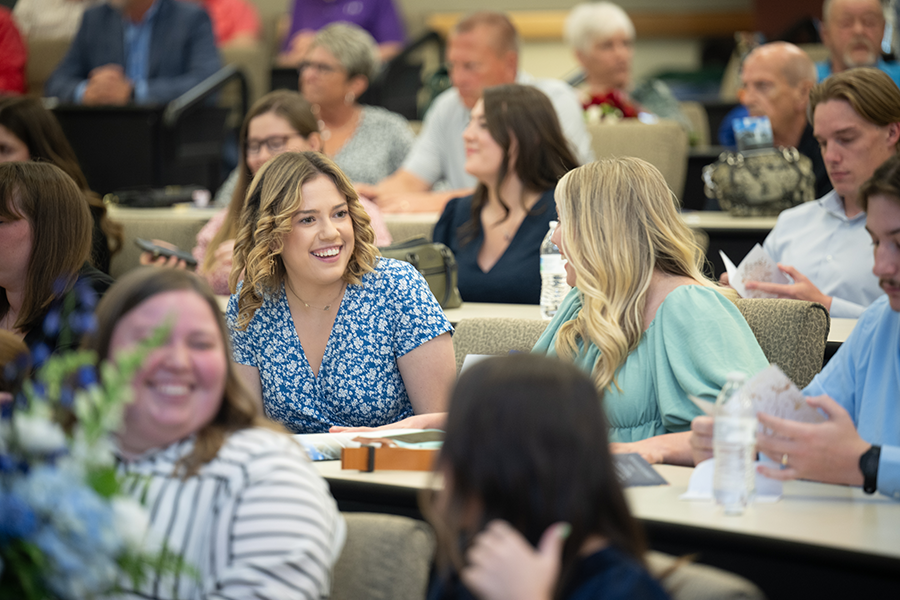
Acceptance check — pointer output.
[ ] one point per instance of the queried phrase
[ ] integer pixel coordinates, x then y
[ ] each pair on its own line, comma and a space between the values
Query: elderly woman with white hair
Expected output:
368, 142
602, 36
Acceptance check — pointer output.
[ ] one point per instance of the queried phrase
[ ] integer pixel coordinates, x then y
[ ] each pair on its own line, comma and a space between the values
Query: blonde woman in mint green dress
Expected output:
643, 319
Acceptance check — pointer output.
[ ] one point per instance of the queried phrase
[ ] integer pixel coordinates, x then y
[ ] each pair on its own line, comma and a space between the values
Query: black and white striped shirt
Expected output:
256, 522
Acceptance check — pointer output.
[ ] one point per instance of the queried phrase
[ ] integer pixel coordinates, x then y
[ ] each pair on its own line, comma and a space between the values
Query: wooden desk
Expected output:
488, 310
819, 541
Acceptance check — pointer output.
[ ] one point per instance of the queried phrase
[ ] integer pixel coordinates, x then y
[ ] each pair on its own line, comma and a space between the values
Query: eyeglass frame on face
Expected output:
323, 68
275, 143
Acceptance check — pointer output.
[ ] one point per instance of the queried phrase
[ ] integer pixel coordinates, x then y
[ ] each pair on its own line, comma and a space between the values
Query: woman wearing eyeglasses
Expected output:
281, 121
368, 143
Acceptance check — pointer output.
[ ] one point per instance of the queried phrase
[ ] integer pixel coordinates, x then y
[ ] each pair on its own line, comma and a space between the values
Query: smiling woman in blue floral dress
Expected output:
325, 332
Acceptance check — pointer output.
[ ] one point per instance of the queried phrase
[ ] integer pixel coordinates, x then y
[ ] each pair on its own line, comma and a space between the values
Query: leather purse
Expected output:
760, 182
435, 262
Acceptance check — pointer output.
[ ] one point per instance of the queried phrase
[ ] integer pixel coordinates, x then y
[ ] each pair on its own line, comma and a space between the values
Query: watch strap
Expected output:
868, 464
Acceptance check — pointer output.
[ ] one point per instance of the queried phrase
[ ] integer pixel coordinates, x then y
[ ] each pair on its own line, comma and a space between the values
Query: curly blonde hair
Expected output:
274, 197
619, 224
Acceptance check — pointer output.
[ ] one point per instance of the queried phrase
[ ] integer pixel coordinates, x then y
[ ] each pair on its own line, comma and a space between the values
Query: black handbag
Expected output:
435, 262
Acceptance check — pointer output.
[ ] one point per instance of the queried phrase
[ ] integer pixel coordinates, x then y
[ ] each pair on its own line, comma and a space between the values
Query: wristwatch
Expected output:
868, 464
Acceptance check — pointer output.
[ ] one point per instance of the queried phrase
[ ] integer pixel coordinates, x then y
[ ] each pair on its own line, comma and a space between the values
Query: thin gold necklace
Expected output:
308, 305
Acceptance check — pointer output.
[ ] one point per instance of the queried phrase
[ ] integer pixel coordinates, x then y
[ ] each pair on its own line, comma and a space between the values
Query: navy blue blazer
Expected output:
182, 51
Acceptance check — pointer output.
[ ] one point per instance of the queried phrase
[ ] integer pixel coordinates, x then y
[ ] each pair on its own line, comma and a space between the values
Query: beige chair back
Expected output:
691, 581
386, 557
254, 61
663, 145
791, 333
696, 114
405, 226
43, 56
495, 336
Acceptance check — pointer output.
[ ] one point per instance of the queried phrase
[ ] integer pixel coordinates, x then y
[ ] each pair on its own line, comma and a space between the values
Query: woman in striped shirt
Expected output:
237, 499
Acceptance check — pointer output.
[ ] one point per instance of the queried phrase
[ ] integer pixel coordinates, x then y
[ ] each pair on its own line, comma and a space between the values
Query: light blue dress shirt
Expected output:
864, 377
891, 68
834, 252
137, 54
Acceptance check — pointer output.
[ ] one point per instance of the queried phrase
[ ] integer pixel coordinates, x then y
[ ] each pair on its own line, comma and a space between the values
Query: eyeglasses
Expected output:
323, 68
275, 143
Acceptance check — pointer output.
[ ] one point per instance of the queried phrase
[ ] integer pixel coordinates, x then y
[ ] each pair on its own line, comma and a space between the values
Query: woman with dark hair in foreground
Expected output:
531, 505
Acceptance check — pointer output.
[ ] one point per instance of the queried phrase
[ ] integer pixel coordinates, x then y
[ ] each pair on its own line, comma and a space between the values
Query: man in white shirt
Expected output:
482, 52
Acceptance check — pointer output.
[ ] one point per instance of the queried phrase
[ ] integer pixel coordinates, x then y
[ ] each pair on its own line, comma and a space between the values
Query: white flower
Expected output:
131, 521
37, 435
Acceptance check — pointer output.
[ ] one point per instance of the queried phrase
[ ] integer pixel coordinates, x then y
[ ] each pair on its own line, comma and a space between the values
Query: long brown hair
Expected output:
237, 411
293, 108
526, 442
37, 128
522, 116
60, 223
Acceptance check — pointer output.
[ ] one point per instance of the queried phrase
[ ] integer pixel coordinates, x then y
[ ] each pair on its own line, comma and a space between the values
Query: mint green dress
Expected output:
697, 337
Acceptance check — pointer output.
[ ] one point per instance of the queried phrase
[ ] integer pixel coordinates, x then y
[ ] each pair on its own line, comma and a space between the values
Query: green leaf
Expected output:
104, 481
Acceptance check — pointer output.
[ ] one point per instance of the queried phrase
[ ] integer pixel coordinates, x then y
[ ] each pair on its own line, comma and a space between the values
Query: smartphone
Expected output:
157, 250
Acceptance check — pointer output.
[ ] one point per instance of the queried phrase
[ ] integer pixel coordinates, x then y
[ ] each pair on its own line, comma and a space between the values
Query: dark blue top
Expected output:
608, 574
516, 278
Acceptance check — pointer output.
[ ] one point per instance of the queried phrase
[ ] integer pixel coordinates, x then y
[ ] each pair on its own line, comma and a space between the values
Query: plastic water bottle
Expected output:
734, 446
553, 276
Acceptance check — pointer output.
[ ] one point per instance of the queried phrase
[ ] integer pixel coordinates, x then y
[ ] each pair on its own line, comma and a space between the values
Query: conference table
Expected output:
817, 541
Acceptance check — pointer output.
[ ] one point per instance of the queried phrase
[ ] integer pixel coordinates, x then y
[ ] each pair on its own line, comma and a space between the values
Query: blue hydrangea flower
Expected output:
19, 521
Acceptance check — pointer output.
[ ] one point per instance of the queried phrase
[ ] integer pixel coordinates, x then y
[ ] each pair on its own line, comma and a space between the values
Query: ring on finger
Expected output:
784, 460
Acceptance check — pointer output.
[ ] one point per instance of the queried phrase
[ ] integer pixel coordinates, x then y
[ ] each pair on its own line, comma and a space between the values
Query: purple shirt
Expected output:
378, 17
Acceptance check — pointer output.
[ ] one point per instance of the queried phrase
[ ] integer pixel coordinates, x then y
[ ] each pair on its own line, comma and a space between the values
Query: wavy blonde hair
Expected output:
274, 197
619, 224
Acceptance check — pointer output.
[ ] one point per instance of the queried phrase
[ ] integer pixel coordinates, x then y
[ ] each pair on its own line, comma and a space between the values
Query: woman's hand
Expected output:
503, 565
147, 258
668, 448
426, 421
